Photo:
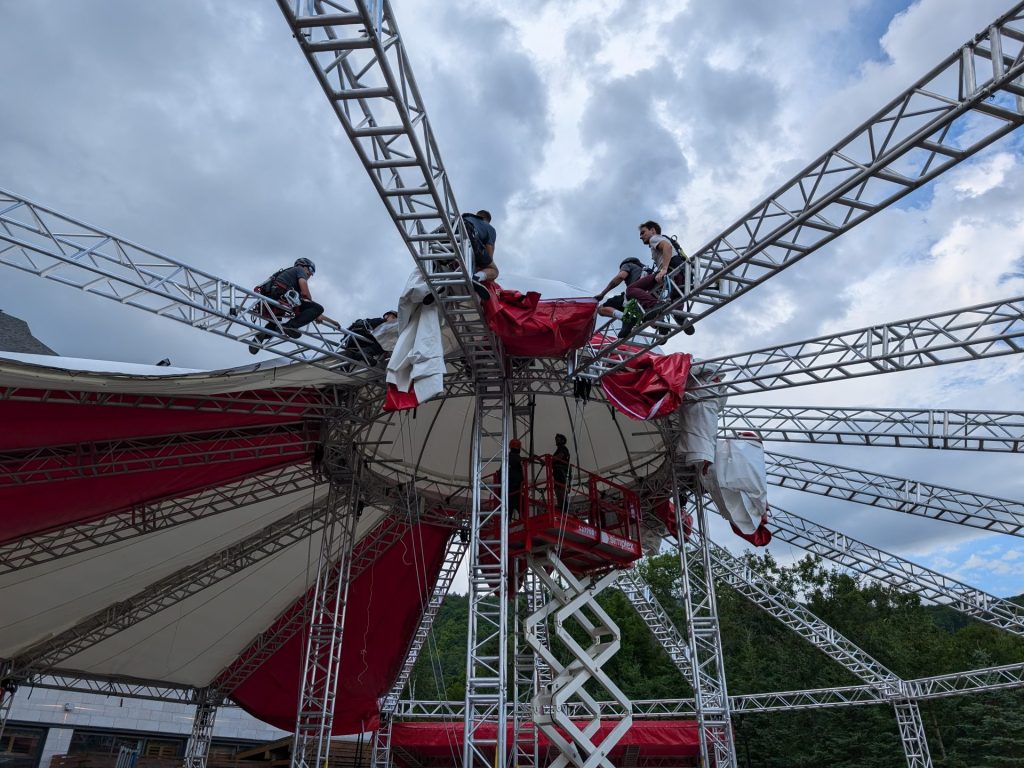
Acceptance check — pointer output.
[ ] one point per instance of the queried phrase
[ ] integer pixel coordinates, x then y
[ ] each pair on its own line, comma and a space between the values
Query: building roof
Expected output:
15, 336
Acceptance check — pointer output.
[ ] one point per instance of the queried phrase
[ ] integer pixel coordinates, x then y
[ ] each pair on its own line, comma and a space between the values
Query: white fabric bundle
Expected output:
738, 482
417, 361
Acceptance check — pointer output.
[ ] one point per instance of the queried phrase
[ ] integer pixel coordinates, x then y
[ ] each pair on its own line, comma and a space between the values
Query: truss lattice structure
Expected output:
326, 471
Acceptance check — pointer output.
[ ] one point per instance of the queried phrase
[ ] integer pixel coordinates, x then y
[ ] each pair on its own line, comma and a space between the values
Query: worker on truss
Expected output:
290, 287
482, 237
630, 270
663, 255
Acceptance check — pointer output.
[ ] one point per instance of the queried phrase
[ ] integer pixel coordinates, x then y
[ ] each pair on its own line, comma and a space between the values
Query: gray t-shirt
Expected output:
291, 276
633, 270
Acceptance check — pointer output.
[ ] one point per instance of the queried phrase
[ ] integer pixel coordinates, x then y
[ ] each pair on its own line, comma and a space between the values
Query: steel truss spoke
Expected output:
326, 620
454, 554
56, 247
171, 590
487, 641
972, 98
106, 685
900, 494
198, 749
360, 61
973, 333
999, 431
894, 571
51, 464
158, 515
707, 663
640, 596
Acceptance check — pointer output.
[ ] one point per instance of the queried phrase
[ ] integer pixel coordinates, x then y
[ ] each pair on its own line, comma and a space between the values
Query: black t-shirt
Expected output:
291, 277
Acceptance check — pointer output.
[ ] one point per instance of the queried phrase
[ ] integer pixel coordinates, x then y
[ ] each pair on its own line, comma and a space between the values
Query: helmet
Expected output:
514, 443
306, 263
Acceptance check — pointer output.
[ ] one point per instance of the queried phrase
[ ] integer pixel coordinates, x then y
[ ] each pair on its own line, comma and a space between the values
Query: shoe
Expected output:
259, 338
428, 300
627, 328
689, 330
291, 333
481, 290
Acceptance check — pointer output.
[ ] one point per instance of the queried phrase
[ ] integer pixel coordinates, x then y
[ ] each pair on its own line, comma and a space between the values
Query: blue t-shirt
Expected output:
483, 229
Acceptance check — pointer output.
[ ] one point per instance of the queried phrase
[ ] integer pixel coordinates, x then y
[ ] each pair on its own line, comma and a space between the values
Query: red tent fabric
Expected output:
443, 740
533, 327
648, 387
761, 537
396, 400
393, 591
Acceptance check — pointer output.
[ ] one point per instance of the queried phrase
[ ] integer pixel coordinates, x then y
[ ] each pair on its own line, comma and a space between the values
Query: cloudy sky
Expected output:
197, 130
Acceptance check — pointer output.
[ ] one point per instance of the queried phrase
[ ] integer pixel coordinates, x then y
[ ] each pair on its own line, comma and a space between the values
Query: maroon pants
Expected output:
641, 291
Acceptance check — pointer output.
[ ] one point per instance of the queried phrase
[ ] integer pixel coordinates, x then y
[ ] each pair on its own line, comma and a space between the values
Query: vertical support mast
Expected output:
327, 617
487, 642
198, 750
717, 748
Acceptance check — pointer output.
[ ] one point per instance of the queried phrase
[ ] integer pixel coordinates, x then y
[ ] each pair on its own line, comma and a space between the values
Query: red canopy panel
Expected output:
393, 592
430, 743
33, 424
650, 386
532, 327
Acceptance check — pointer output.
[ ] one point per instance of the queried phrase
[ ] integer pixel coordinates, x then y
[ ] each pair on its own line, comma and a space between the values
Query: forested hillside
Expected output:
762, 655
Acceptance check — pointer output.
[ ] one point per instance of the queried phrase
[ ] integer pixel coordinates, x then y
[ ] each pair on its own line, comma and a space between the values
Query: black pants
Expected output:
305, 313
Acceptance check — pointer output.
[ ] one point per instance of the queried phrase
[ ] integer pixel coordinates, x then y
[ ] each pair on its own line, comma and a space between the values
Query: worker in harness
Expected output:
290, 287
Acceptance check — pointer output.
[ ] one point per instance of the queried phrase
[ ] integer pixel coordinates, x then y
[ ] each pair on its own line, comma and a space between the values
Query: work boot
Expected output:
258, 340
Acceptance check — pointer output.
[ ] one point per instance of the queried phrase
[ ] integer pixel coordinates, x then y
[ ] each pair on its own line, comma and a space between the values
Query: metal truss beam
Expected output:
52, 464
360, 62
638, 593
325, 622
299, 403
293, 619
972, 333
157, 515
56, 247
107, 685
170, 590
970, 99
889, 569
957, 683
900, 494
998, 431
707, 662
198, 749
487, 639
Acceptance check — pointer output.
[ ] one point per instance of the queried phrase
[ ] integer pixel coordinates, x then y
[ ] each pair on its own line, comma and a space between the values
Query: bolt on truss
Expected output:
707, 663
972, 333
170, 590
326, 621
999, 431
51, 245
487, 640
360, 61
930, 586
970, 99
198, 749
574, 601
638, 592
900, 494
152, 516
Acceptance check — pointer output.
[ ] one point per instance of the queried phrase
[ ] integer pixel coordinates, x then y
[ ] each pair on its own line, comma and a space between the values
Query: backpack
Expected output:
678, 254
481, 258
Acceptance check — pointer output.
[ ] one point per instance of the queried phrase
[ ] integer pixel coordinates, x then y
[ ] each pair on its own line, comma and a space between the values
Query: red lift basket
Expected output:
595, 527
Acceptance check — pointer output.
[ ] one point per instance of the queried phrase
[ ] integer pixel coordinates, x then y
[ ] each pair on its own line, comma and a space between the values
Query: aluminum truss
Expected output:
150, 517
574, 600
999, 431
47, 654
972, 333
640, 596
357, 56
900, 494
917, 136
51, 464
717, 746
326, 620
532, 673
454, 555
198, 749
51, 245
790, 612
894, 571
487, 640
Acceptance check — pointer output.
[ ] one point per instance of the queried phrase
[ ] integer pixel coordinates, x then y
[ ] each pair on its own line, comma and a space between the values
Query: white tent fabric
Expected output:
738, 482
698, 421
417, 362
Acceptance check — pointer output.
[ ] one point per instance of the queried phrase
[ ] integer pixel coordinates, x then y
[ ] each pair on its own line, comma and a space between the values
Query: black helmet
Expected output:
306, 263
